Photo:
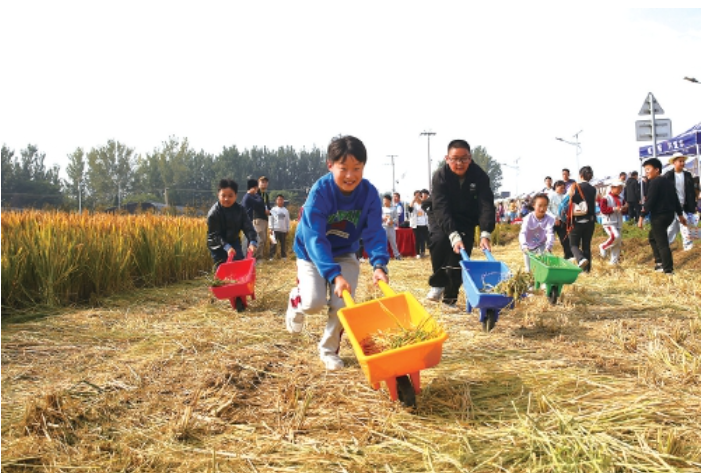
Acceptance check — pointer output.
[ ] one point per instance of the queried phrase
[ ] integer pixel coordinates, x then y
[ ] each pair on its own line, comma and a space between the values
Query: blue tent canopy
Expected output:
687, 143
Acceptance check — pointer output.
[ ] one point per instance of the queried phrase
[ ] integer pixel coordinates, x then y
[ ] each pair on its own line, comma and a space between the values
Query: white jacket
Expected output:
279, 219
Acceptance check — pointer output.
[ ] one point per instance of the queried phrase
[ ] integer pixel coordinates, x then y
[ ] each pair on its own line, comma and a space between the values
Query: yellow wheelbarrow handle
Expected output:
384, 287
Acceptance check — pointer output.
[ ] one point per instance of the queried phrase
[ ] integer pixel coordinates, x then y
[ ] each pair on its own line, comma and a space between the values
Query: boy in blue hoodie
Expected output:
341, 208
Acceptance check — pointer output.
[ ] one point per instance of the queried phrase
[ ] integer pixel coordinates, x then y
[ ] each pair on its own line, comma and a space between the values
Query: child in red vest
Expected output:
613, 207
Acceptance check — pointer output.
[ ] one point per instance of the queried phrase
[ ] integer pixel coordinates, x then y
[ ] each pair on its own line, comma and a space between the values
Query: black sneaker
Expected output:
658, 268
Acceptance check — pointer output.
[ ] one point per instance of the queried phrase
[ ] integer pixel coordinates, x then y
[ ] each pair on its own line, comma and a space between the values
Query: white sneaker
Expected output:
602, 251
435, 294
418, 256
332, 362
583, 263
294, 321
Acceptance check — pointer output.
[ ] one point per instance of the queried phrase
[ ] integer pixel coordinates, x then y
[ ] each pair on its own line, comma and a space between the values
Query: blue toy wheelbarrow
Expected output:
477, 278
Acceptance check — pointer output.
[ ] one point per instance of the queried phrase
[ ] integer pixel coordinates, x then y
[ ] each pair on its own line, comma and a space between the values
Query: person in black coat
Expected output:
633, 196
684, 189
462, 199
583, 225
225, 221
662, 204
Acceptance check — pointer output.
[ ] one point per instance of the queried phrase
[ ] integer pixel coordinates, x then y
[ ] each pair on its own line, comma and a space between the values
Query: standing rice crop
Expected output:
57, 258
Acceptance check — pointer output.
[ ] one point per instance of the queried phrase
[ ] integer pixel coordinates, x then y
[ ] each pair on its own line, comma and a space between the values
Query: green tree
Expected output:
489, 165
110, 173
76, 177
30, 182
8, 174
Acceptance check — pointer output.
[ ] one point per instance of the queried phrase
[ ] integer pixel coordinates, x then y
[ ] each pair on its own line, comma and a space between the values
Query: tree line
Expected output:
174, 173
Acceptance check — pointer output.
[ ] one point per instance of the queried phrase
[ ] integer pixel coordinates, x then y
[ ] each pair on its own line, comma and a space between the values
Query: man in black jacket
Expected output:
462, 199
684, 185
662, 204
633, 196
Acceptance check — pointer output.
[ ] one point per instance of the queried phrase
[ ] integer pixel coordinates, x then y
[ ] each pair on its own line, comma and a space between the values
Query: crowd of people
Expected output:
344, 220
570, 209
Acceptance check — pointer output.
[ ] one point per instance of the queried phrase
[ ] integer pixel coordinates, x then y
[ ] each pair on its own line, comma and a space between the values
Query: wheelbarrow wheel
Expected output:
490, 320
405, 391
553, 294
240, 306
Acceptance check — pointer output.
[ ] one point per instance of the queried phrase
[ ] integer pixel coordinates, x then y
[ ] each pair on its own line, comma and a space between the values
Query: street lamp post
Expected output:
428, 135
517, 168
391, 157
576, 144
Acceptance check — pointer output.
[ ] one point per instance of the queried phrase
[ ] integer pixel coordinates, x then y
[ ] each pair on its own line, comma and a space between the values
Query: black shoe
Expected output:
658, 268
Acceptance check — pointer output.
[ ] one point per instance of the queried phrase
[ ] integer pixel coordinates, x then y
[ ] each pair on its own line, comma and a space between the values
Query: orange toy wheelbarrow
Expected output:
243, 272
398, 367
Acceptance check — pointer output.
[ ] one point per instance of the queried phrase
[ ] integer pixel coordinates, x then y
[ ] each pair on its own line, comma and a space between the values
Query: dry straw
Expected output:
166, 379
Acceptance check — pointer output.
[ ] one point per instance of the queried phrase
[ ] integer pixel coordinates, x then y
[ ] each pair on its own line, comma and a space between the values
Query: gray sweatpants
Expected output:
313, 293
392, 239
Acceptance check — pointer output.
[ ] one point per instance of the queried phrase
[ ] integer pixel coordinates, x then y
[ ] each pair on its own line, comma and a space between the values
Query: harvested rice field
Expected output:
168, 379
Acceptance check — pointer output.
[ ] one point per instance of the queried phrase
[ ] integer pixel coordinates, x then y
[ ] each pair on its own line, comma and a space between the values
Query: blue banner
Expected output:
685, 143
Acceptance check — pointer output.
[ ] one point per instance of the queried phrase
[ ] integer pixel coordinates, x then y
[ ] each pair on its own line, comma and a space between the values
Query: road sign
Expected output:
645, 110
663, 129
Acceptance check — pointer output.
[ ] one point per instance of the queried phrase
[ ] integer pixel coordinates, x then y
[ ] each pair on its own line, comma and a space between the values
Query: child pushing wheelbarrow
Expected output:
394, 338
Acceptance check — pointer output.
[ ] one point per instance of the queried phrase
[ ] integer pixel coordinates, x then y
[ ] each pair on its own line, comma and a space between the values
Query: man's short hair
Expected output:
565, 169
654, 162
251, 184
343, 146
623, 174
397, 194
425, 191
280, 195
559, 183
229, 184
459, 144
387, 196
548, 177
263, 178
633, 173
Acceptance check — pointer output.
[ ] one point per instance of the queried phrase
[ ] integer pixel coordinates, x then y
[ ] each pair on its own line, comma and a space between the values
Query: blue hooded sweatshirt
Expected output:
332, 225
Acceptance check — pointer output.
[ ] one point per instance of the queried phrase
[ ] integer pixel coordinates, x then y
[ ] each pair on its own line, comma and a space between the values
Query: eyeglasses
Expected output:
458, 160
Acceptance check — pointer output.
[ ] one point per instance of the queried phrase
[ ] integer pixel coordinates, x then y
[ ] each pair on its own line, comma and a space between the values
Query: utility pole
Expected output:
391, 157
428, 134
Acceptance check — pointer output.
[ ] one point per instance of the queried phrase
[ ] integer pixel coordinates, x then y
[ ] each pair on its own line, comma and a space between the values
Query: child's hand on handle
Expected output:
458, 246
379, 275
339, 285
231, 253
251, 248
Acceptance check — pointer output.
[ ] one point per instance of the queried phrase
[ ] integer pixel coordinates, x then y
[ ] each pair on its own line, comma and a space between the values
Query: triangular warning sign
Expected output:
645, 110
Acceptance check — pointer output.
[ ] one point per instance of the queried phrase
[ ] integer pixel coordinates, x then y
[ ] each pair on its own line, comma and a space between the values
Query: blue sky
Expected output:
283, 73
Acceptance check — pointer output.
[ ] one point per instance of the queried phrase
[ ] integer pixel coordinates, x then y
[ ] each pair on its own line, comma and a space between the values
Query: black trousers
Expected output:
561, 231
659, 241
634, 211
421, 237
581, 235
446, 263
281, 238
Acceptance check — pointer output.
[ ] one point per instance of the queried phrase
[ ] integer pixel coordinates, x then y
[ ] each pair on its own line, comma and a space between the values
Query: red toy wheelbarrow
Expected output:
242, 277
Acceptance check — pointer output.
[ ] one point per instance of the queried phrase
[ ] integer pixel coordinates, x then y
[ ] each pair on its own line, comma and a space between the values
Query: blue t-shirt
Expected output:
332, 225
